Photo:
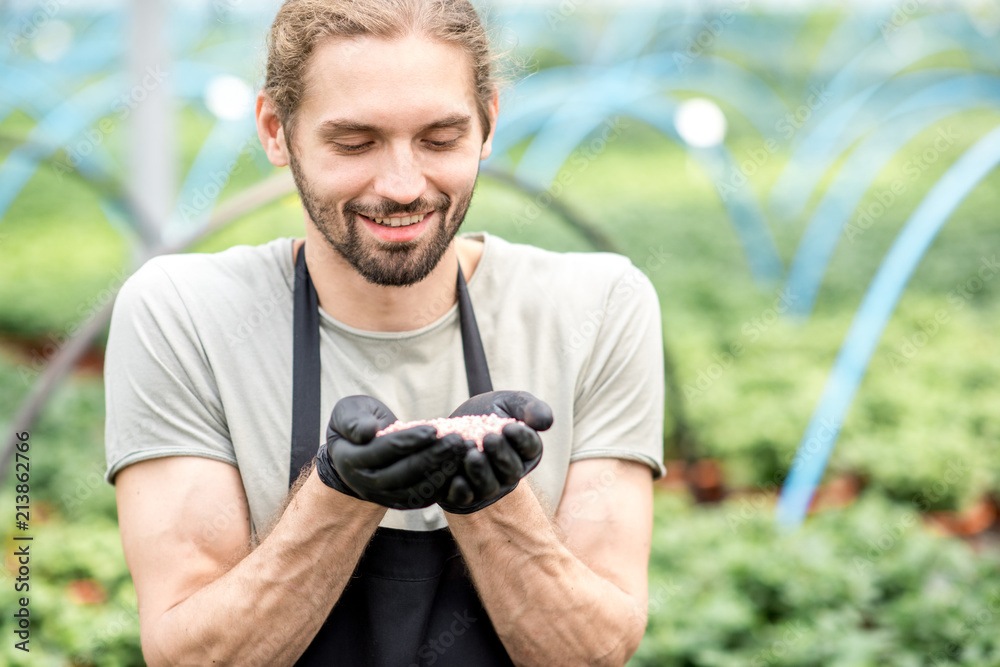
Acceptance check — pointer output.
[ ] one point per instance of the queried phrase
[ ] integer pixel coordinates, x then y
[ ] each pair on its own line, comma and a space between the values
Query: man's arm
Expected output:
204, 597
574, 593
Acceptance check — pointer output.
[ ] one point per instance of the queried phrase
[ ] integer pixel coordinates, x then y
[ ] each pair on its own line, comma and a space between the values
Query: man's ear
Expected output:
493, 110
270, 132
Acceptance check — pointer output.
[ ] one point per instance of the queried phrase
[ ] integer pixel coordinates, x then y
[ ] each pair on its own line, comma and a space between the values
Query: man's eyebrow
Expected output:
338, 126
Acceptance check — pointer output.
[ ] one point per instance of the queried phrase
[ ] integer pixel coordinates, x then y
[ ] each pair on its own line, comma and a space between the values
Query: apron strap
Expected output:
305, 370
306, 362
477, 371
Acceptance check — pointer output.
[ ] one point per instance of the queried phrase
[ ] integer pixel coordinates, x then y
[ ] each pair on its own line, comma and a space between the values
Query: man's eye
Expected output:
442, 144
352, 148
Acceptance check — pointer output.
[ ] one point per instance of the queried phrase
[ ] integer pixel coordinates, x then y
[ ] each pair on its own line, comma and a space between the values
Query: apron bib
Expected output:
410, 601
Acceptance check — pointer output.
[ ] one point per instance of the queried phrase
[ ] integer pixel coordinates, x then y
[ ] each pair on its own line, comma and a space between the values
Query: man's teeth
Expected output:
400, 222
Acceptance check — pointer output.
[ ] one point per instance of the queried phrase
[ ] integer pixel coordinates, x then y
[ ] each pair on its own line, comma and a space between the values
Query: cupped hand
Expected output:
407, 469
485, 477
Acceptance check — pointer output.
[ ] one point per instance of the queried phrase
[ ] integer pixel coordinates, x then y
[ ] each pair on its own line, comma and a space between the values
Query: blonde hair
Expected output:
301, 24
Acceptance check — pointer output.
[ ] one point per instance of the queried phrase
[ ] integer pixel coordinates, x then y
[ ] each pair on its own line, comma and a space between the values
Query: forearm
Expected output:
547, 606
269, 606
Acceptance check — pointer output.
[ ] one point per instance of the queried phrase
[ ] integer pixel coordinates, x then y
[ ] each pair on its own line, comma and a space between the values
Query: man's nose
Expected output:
399, 176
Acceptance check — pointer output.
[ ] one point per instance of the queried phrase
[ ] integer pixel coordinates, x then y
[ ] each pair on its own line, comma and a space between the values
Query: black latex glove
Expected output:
486, 477
407, 469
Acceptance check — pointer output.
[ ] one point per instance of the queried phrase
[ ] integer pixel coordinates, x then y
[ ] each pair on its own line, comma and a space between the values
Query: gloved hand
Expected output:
407, 469
486, 477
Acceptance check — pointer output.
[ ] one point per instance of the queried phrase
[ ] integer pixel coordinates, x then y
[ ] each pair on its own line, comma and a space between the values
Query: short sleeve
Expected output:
618, 409
161, 397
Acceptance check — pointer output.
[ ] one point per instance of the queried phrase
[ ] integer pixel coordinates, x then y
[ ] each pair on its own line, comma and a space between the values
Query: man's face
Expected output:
387, 133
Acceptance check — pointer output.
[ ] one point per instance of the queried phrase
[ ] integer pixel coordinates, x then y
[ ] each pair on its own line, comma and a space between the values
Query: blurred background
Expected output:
811, 186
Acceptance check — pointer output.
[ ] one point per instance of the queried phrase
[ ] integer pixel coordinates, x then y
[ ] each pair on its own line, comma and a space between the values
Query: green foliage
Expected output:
863, 586
66, 627
82, 602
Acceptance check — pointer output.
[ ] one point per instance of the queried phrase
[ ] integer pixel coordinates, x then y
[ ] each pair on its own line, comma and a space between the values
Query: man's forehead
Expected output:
378, 82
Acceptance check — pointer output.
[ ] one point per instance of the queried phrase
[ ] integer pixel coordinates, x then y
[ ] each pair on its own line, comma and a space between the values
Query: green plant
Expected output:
863, 586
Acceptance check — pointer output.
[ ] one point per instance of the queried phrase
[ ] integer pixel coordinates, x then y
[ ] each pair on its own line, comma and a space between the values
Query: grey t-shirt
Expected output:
199, 363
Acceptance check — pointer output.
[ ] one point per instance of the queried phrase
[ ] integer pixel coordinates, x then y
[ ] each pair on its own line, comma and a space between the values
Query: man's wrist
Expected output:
328, 474
346, 505
511, 503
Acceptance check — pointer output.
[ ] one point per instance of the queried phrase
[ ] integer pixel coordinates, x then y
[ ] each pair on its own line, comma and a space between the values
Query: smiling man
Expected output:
251, 539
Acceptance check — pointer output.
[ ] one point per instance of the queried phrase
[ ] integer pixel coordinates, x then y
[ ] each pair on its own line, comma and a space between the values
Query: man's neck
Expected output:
347, 297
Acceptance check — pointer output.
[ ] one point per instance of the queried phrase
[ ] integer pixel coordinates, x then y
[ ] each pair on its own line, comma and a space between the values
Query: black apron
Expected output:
410, 601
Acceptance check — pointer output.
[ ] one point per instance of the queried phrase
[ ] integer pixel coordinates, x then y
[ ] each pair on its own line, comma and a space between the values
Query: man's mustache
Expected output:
389, 210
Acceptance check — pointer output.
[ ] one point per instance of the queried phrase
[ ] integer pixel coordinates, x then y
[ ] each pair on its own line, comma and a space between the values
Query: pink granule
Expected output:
472, 427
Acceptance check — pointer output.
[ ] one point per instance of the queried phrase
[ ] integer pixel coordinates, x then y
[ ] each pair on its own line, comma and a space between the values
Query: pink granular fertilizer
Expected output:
472, 427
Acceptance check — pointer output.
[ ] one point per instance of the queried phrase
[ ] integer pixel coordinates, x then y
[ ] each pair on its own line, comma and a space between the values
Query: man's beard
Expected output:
390, 264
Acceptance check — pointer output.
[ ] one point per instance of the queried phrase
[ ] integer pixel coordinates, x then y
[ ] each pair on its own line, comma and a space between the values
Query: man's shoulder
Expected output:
581, 269
214, 285
241, 267
549, 277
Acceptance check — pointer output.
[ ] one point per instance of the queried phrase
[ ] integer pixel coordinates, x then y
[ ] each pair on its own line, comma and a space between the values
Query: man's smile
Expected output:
398, 229
400, 220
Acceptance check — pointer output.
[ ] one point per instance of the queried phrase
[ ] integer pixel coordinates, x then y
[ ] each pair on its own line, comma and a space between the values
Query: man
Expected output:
383, 112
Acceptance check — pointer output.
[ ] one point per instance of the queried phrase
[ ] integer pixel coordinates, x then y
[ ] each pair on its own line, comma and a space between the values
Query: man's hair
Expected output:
301, 24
